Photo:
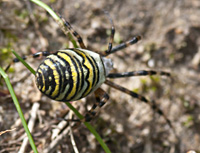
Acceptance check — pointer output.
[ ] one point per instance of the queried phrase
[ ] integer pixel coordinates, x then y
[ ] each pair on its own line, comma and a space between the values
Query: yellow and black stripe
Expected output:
70, 74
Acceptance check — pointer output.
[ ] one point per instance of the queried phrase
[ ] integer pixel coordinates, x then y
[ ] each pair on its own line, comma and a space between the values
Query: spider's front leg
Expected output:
137, 73
121, 46
142, 98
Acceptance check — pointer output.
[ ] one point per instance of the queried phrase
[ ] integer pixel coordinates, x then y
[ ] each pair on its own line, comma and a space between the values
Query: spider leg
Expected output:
111, 49
123, 45
101, 98
112, 33
65, 26
36, 55
137, 73
140, 97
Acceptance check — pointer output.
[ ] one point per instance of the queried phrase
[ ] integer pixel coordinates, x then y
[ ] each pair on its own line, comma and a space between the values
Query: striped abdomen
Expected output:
70, 74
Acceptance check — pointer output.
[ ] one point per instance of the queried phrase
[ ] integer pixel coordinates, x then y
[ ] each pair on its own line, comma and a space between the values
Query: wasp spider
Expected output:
71, 74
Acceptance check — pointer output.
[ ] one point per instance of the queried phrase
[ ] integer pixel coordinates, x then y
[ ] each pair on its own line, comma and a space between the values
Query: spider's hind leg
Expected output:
101, 98
65, 26
36, 55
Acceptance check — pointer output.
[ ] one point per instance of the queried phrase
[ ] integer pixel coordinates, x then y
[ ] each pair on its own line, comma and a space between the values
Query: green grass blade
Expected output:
55, 16
72, 40
91, 128
10, 88
25, 64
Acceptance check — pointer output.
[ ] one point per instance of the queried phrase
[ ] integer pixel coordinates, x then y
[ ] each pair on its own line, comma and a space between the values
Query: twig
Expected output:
71, 135
3, 132
57, 130
52, 146
31, 124
59, 138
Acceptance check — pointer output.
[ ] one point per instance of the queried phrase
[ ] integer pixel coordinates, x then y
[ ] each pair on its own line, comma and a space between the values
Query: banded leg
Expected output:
143, 99
101, 98
65, 26
123, 45
120, 46
112, 33
36, 55
137, 73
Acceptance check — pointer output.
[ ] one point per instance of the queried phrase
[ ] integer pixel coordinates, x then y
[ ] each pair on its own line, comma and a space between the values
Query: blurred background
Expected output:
170, 42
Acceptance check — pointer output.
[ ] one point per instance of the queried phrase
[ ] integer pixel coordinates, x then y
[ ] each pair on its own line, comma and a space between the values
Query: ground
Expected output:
170, 42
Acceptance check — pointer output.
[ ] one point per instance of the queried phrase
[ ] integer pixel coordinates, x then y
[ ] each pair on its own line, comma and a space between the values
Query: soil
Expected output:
170, 31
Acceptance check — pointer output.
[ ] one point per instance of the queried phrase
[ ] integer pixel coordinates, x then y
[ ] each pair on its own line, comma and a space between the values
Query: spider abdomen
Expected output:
70, 74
